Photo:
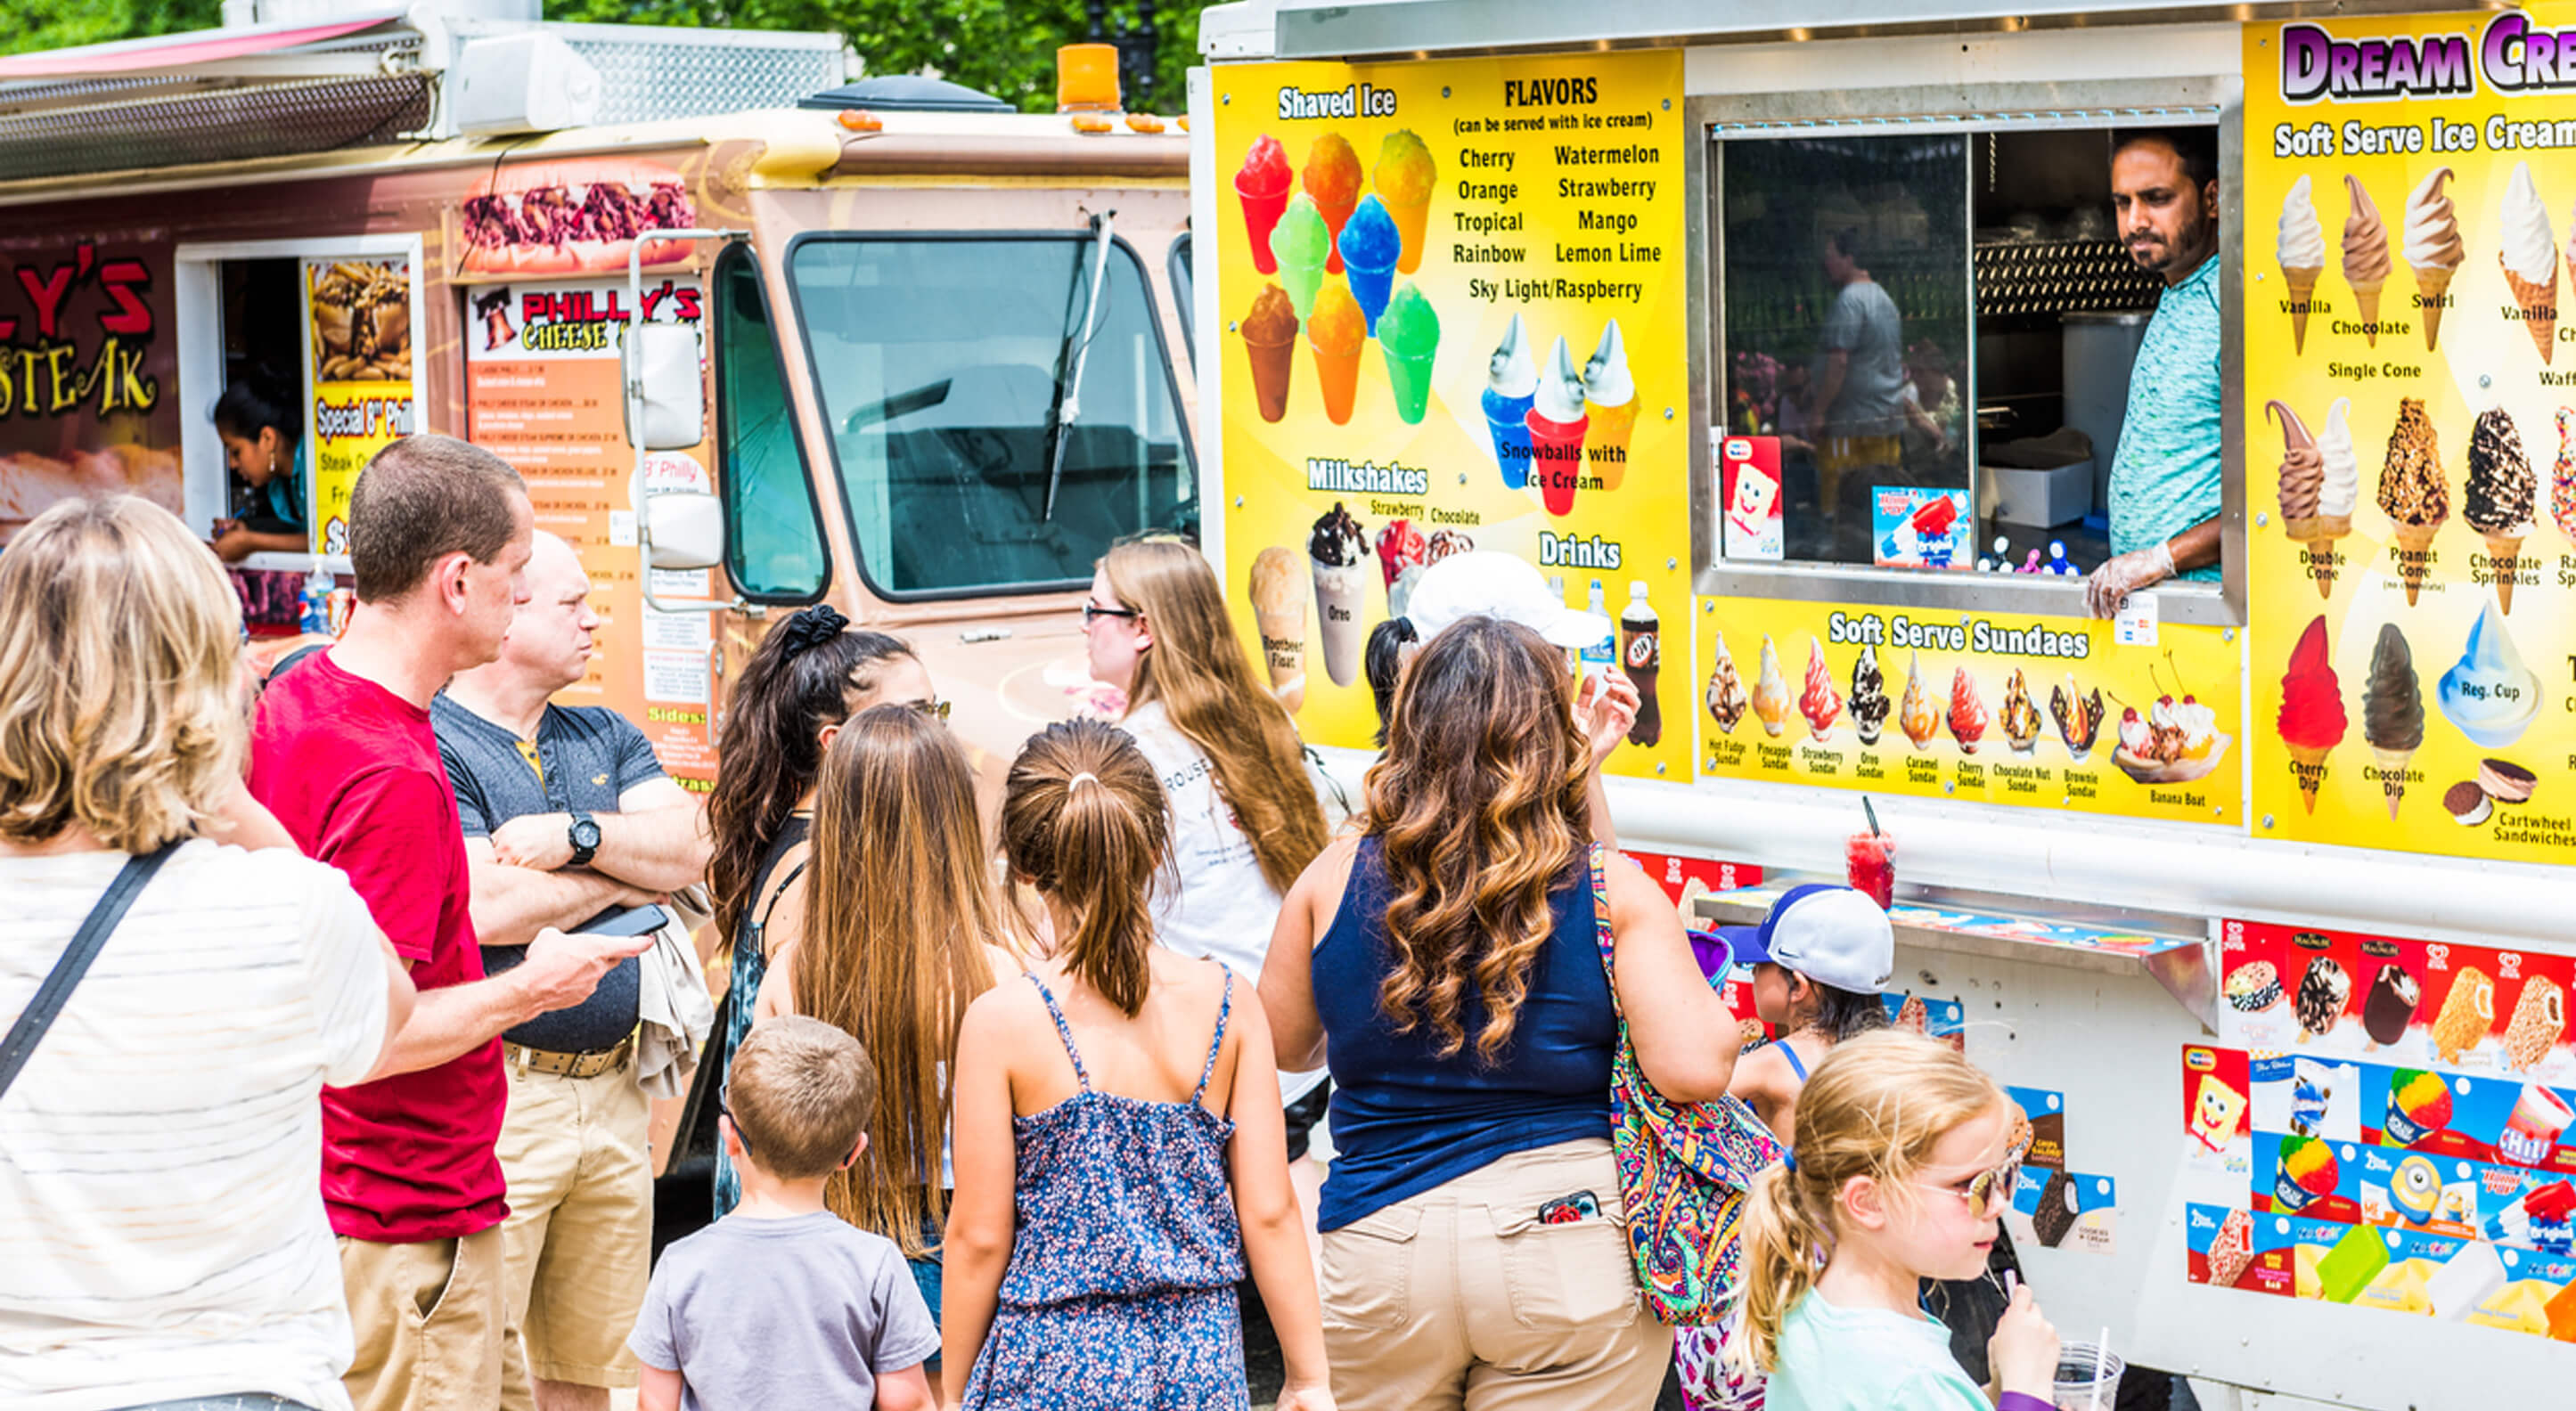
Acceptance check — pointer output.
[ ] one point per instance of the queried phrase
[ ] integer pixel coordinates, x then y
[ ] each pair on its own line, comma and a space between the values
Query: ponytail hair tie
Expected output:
1789, 1160
1076, 781
812, 627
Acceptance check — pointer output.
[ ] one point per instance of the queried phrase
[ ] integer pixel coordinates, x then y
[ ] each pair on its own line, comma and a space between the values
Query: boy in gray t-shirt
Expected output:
782, 1304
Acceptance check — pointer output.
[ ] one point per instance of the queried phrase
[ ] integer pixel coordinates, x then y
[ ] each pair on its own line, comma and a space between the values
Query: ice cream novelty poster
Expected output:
1451, 300
2410, 415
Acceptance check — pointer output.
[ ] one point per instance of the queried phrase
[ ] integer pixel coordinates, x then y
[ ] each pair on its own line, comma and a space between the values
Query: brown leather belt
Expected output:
569, 1065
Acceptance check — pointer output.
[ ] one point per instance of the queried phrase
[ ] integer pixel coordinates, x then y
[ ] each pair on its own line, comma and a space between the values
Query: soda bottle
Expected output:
1643, 652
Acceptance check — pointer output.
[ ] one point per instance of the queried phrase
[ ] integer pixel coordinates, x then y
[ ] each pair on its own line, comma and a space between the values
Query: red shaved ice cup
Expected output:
1261, 212
1556, 459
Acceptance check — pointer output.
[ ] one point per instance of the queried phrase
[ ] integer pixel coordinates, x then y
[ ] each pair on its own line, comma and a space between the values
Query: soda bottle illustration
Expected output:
1642, 650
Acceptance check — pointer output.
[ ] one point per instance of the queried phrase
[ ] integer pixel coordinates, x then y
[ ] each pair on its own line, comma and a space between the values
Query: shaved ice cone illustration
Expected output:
1368, 248
2500, 497
1332, 178
2432, 250
2312, 721
2412, 492
1337, 332
1511, 389
1404, 177
2302, 252
2365, 257
1279, 612
2530, 260
1610, 404
2392, 712
1264, 185
1299, 244
1409, 334
1270, 341
1556, 426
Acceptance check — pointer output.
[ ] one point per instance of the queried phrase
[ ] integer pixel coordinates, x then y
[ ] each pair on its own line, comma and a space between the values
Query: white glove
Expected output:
2112, 583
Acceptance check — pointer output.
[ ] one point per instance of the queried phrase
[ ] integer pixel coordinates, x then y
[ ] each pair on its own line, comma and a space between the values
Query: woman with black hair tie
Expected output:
262, 429
807, 678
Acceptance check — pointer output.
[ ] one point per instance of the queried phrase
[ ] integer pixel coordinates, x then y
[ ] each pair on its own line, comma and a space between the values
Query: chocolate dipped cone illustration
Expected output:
2392, 712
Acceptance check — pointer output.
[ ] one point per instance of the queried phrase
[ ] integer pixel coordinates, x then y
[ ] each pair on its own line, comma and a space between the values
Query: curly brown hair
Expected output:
1478, 809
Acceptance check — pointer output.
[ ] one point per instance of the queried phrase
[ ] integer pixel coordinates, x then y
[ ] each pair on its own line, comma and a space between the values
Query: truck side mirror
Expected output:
686, 529
666, 403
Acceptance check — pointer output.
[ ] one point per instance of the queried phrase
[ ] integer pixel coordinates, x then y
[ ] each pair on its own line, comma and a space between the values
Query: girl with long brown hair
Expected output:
1120, 1153
1471, 1221
808, 676
901, 937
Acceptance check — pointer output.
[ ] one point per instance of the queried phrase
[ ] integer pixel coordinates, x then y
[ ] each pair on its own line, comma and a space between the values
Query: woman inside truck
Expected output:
262, 430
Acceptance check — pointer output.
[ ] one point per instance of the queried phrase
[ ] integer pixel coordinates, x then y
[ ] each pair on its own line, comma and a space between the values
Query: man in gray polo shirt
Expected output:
566, 814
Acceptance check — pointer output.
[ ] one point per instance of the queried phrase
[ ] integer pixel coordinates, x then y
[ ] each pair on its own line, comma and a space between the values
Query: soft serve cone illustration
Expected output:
2392, 712
1511, 389
2312, 721
2489, 693
2302, 252
1610, 403
2365, 257
2432, 251
2530, 259
2499, 498
2307, 478
2412, 492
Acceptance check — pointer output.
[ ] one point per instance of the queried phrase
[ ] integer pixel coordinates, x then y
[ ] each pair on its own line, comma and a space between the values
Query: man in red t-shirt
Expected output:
344, 755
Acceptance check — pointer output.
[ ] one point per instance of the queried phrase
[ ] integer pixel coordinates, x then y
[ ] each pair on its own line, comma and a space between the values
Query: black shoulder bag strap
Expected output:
67, 972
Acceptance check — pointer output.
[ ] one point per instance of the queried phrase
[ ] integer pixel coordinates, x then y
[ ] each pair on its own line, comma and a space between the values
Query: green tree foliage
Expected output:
62, 24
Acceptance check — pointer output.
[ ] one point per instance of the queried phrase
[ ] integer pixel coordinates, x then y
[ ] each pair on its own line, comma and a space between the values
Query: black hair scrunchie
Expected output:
812, 627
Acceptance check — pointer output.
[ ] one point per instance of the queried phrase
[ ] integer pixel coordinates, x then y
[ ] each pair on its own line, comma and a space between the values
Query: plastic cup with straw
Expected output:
1869, 861
2088, 1376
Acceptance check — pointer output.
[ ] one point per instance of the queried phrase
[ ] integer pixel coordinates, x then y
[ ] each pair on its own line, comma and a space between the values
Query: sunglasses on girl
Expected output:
1987, 1192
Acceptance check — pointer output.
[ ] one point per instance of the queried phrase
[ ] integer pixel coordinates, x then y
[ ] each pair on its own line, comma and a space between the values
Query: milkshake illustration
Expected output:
1300, 244
1610, 404
1511, 388
1332, 178
1270, 341
1409, 334
1336, 333
2365, 256
2392, 712
1368, 247
1404, 177
2500, 497
1263, 185
2530, 260
2312, 721
2302, 252
1338, 551
2432, 251
2413, 493
1556, 426
1279, 612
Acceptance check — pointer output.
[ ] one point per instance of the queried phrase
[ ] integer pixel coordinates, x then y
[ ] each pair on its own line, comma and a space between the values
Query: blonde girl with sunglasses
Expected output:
1901, 1167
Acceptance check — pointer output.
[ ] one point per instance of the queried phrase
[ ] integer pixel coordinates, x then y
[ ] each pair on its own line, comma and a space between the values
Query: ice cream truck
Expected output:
888, 344
1799, 342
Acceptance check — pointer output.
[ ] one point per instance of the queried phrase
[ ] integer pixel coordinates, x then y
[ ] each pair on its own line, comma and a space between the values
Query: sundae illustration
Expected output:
2302, 252
2498, 500
2312, 721
1409, 334
1270, 341
1299, 245
1264, 185
1332, 181
2078, 716
2530, 259
2489, 693
1404, 177
2432, 250
2392, 712
2365, 256
2021, 716
1869, 702
2317, 473
1771, 692
1610, 405
1556, 427
1968, 717
1279, 612
2412, 492
1336, 333
1726, 700
1339, 551
2172, 743
1819, 702
1511, 389
1368, 246
1916, 714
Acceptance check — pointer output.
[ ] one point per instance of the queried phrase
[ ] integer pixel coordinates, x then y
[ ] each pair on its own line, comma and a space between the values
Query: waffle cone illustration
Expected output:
2504, 552
2303, 288
2431, 284
2467, 1013
2413, 542
2539, 303
2308, 762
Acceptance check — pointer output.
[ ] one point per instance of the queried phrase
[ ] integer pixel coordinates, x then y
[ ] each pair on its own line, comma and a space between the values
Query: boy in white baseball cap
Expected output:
1819, 961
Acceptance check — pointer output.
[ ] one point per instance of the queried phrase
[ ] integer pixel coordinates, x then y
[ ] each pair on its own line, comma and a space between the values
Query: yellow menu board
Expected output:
358, 321
1453, 301
2411, 431
2047, 712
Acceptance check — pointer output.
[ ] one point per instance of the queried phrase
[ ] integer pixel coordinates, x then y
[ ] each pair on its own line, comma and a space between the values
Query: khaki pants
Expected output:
580, 1234
1459, 1297
428, 1322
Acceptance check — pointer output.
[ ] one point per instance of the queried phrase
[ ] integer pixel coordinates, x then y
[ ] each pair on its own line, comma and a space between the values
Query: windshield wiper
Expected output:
1070, 359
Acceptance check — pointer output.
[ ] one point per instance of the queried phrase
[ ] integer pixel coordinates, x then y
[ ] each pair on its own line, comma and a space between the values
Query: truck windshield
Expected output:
939, 361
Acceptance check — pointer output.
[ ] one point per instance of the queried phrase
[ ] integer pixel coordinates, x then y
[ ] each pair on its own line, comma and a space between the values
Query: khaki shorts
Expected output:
428, 1322
1459, 1297
579, 1239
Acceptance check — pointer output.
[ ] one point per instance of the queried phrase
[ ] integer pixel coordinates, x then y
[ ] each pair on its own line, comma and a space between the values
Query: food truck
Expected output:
929, 355
2254, 894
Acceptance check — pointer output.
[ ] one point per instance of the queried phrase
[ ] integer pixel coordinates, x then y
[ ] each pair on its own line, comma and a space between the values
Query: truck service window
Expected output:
946, 368
774, 538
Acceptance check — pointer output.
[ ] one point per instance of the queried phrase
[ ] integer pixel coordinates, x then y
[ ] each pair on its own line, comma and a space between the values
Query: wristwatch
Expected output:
585, 839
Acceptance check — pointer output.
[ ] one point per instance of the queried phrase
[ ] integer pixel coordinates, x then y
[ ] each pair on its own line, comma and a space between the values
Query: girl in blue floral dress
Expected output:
1119, 1145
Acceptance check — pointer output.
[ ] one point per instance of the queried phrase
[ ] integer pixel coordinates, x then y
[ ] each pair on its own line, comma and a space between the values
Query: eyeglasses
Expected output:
935, 709
1987, 1192
1092, 612
724, 1104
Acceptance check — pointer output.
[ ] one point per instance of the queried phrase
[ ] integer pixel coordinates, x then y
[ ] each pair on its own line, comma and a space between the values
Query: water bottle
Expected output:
316, 615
